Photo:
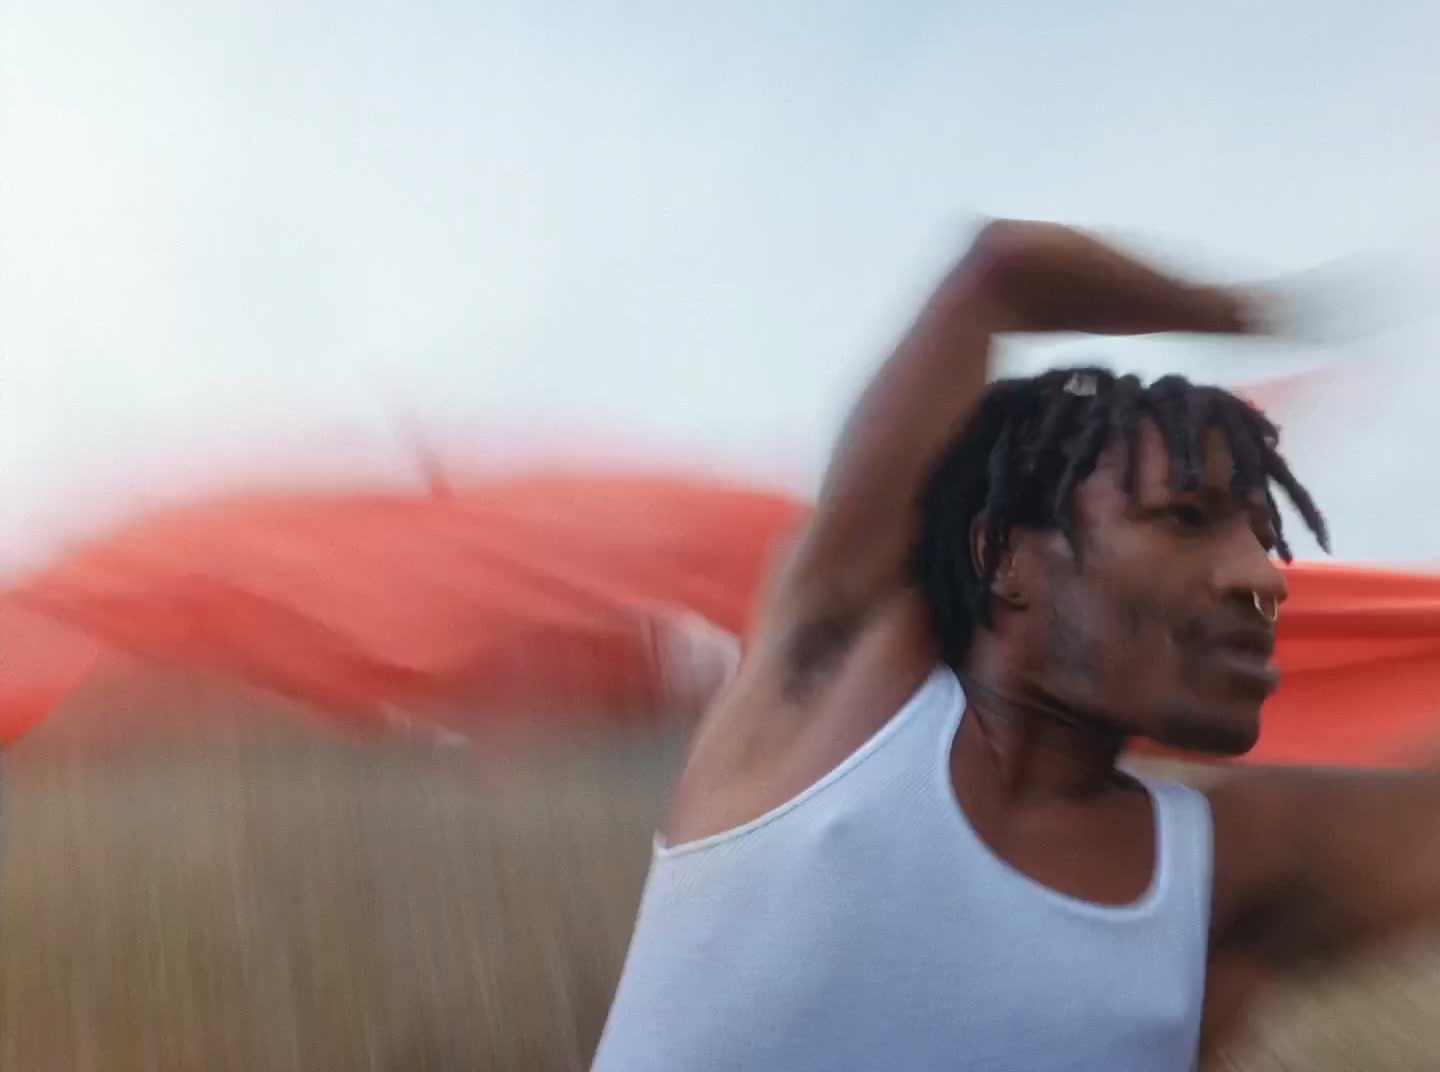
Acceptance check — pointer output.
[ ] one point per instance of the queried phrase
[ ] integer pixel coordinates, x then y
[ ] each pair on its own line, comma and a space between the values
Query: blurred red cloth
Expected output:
537, 592
545, 593
42, 661
1359, 651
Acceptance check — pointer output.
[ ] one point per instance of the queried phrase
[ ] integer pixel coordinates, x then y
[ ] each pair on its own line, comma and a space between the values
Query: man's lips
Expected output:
1255, 641
1243, 656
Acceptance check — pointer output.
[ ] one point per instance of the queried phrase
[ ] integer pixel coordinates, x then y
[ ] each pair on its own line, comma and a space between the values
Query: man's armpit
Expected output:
815, 648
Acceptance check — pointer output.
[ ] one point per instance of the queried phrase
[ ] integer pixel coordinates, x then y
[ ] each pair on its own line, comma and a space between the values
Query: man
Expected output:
901, 839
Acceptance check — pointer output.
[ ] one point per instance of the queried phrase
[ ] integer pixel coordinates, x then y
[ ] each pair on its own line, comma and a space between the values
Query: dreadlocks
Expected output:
1031, 441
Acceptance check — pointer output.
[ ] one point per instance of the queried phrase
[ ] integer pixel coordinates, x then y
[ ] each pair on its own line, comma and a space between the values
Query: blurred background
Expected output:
401, 399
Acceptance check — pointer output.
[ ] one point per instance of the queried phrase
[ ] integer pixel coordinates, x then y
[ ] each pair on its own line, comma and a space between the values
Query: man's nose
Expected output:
1247, 574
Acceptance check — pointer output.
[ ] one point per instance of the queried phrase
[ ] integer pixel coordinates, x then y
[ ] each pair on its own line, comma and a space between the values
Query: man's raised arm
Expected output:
1016, 277
846, 580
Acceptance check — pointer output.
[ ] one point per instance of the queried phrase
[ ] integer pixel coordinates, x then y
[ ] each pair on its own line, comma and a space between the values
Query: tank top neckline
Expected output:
942, 690
1142, 905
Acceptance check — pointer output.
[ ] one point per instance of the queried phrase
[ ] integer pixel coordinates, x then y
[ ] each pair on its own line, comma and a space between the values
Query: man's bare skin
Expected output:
1307, 864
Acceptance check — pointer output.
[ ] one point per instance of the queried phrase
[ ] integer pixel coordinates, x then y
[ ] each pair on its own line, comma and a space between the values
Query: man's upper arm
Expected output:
1316, 864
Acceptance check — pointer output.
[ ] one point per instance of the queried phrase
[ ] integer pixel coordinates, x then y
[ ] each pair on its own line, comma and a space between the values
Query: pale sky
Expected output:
241, 238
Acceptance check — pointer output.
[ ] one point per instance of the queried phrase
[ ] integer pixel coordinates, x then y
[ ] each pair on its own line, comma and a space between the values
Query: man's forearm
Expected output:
1059, 279
1325, 863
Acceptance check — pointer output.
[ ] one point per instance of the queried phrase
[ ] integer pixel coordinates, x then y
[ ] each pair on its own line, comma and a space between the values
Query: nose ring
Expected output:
1269, 608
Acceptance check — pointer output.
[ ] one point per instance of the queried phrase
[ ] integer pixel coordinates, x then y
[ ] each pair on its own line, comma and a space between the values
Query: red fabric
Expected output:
543, 593
41, 662
1359, 651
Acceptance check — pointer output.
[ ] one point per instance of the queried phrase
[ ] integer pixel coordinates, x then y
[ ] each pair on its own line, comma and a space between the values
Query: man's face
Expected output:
1156, 628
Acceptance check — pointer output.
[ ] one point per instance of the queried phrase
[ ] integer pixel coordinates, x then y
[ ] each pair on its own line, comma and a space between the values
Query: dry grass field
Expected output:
254, 896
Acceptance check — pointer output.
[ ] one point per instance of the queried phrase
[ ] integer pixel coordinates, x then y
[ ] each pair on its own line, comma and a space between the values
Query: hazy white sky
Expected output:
232, 230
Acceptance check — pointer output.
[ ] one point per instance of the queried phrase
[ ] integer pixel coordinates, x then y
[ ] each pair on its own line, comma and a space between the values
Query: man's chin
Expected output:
1210, 733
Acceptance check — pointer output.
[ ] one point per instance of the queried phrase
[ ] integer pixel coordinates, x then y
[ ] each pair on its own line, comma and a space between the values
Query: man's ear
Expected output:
1008, 586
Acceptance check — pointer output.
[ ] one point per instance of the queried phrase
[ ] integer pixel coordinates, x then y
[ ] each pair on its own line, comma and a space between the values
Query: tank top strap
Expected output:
1185, 839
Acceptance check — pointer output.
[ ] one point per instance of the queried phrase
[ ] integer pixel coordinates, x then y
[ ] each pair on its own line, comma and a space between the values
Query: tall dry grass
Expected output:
256, 896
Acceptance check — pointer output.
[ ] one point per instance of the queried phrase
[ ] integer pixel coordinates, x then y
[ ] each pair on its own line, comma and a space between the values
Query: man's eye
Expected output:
1188, 516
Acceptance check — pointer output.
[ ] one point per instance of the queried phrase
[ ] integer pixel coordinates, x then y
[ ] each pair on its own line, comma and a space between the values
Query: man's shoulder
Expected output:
763, 742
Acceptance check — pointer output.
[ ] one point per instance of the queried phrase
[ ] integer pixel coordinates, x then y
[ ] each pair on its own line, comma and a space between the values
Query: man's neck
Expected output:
1034, 744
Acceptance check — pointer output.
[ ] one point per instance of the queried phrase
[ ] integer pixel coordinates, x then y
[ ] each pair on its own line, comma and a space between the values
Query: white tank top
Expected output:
864, 925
